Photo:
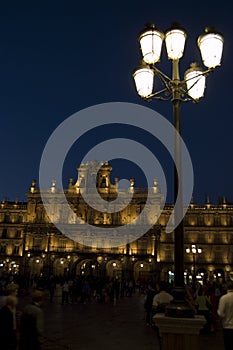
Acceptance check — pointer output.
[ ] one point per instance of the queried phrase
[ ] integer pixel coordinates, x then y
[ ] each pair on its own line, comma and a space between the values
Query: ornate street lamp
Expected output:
191, 88
194, 251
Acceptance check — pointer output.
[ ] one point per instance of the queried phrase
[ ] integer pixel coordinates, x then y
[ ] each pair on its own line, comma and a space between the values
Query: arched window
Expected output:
7, 218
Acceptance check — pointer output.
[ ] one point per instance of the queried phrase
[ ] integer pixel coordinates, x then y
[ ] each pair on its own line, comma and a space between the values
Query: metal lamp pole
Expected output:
177, 91
194, 250
179, 227
194, 269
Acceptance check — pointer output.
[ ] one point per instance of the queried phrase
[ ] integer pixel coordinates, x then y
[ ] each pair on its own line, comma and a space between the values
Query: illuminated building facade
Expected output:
30, 244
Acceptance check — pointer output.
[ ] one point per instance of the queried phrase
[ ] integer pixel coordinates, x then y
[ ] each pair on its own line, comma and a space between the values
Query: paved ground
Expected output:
97, 326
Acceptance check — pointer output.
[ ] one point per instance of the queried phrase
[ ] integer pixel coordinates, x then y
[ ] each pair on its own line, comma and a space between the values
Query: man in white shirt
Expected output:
162, 299
225, 312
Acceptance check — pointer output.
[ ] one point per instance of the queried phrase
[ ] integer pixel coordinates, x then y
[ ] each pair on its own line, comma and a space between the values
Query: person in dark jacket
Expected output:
151, 291
8, 339
32, 324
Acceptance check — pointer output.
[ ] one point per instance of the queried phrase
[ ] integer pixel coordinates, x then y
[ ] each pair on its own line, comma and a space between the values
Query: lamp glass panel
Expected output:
211, 47
175, 41
144, 79
151, 44
195, 83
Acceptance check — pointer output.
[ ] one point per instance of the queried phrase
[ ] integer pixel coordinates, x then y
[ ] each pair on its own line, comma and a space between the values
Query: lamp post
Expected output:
191, 88
193, 250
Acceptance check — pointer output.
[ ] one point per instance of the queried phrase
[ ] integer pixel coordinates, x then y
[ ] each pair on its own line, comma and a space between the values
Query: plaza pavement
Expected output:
95, 326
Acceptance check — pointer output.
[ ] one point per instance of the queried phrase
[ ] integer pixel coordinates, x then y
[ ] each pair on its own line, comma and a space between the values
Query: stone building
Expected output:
32, 244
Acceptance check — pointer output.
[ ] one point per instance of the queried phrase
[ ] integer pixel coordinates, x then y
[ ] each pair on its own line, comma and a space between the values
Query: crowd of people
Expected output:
23, 330
213, 301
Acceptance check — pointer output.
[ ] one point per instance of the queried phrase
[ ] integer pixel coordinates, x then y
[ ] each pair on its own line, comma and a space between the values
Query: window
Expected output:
18, 234
4, 233
37, 243
2, 249
142, 246
20, 218
168, 255
16, 250
62, 243
7, 218
218, 257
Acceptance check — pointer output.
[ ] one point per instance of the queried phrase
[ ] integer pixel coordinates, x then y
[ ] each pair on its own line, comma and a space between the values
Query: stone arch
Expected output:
141, 270
201, 275
114, 269
228, 272
219, 275
60, 266
87, 267
167, 273
35, 265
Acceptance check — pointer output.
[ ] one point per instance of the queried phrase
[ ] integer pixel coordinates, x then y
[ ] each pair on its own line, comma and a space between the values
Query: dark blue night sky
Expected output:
58, 57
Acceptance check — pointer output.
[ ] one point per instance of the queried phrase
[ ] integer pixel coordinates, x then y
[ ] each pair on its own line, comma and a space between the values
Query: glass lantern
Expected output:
195, 82
175, 41
211, 46
151, 40
144, 80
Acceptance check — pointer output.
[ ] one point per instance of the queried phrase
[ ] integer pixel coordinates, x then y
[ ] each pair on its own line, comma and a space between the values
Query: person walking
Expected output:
32, 324
51, 287
7, 324
203, 305
65, 292
225, 312
150, 293
10, 289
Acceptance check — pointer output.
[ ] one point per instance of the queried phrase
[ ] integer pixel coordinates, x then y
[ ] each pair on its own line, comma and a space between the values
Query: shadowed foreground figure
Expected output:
32, 324
8, 339
225, 312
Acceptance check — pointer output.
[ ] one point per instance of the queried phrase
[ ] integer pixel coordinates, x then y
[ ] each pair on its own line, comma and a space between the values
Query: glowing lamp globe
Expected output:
144, 80
195, 82
211, 46
151, 40
175, 42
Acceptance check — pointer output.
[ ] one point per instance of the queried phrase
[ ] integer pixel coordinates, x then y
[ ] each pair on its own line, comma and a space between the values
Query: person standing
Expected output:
32, 324
203, 305
162, 299
11, 289
7, 324
150, 293
225, 312
65, 292
51, 287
